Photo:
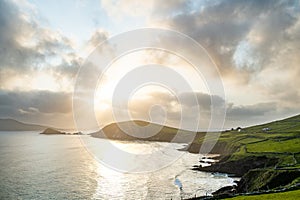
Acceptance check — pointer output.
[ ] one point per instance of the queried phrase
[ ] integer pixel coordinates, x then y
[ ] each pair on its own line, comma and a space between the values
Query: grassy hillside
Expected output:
141, 130
267, 157
280, 139
291, 195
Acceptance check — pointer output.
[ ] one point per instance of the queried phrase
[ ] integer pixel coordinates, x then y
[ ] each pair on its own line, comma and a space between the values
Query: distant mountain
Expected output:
14, 125
142, 130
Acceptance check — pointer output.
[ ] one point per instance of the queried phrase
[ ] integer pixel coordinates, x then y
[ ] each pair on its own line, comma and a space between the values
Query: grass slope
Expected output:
267, 155
290, 195
141, 130
282, 141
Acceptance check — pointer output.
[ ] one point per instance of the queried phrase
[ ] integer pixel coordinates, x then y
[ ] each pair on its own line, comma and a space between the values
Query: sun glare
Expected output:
141, 97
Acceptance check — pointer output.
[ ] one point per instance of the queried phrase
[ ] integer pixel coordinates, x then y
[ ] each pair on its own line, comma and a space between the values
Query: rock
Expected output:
241, 166
266, 179
226, 191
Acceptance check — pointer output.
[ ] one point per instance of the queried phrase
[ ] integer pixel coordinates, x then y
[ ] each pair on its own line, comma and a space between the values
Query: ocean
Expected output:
34, 166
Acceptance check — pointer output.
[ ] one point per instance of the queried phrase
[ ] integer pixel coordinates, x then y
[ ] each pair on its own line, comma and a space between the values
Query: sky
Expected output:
254, 45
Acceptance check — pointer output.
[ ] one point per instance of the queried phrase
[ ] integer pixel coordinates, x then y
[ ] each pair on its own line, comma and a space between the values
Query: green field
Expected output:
282, 141
279, 141
281, 146
291, 195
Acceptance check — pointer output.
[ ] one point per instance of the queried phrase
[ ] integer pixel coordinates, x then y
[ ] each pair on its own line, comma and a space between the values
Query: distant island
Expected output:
52, 131
14, 125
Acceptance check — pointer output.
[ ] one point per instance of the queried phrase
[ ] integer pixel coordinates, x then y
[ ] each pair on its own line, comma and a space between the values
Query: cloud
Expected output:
224, 26
205, 101
43, 107
119, 9
97, 38
255, 45
238, 112
122, 10
164, 107
27, 47
12, 53
37, 101
167, 107
38, 67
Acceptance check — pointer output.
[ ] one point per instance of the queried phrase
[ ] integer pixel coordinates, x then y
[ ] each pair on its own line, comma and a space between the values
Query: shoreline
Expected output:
246, 169
266, 160
243, 168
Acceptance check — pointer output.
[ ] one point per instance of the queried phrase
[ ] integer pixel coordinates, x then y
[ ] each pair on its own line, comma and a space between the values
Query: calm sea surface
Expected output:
34, 166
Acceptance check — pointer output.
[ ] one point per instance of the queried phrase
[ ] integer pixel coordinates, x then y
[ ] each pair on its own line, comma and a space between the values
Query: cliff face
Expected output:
241, 166
266, 179
219, 147
266, 157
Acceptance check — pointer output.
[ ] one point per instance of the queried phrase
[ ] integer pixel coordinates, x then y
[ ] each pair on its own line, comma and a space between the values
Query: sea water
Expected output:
34, 166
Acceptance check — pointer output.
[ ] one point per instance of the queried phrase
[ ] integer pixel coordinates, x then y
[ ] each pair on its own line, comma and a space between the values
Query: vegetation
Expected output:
280, 139
267, 156
291, 195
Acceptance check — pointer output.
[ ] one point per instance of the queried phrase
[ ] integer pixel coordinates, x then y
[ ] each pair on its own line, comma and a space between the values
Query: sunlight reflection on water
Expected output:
34, 166
159, 184
133, 156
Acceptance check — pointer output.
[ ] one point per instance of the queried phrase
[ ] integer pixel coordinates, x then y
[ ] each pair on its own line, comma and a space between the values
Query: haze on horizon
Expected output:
255, 45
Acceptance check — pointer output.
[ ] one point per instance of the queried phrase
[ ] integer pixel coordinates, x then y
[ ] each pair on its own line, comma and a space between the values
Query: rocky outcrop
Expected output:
239, 167
266, 179
219, 147
257, 172
224, 192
